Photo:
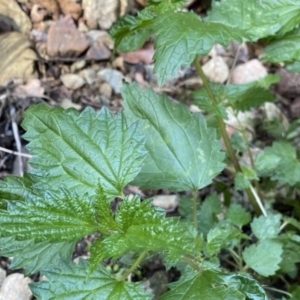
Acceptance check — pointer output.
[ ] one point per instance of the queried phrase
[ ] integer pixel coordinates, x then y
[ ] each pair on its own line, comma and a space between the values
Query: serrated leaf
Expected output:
266, 227
17, 189
141, 228
33, 256
207, 216
256, 19
241, 182
238, 143
183, 154
179, 44
56, 218
264, 258
76, 151
284, 49
131, 33
280, 163
290, 255
221, 237
241, 97
238, 215
206, 285
69, 282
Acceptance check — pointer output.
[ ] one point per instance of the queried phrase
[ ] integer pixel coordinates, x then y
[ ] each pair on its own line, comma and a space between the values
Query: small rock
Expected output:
167, 202
38, 13
250, 71
15, 287
289, 85
105, 90
143, 55
70, 7
216, 69
100, 12
113, 78
16, 57
67, 103
33, 88
89, 75
51, 6
78, 65
96, 35
72, 81
295, 108
13, 17
65, 40
98, 51
2, 275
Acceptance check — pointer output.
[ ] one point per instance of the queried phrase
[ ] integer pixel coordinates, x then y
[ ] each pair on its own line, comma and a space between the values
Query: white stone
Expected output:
72, 81
15, 287
216, 69
113, 78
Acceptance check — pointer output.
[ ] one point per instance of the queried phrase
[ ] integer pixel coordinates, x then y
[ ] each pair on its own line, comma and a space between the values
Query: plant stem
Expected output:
224, 134
135, 264
192, 264
195, 212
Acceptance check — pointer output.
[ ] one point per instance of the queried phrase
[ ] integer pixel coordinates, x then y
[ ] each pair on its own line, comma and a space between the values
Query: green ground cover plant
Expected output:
83, 161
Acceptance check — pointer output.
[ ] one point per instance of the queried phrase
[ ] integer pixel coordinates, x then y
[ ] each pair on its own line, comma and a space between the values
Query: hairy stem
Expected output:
224, 134
195, 212
135, 264
192, 264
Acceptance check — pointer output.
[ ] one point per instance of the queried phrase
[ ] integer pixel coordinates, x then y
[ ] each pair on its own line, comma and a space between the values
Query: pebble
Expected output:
113, 78
89, 75
105, 90
216, 69
250, 71
78, 65
65, 40
2, 274
15, 287
72, 81
167, 202
98, 51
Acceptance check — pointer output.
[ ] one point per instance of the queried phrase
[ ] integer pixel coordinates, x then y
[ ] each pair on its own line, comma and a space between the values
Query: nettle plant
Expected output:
83, 161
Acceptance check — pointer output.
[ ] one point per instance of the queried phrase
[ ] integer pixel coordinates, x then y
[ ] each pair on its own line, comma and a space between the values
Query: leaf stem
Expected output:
192, 264
135, 265
195, 212
224, 134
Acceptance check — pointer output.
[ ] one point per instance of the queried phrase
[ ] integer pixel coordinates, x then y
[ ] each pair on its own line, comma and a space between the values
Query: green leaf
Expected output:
294, 66
178, 44
207, 216
280, 163
76, 151
69, 282
33, 256
238, 143
238, 215
17, 189
264, 258
243, 179
284, 49
290, 255
266, 227
142, 227
56, 218
241, 182
206, 285
131, 33
241, 97
256, 19
183, 154
221, 237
